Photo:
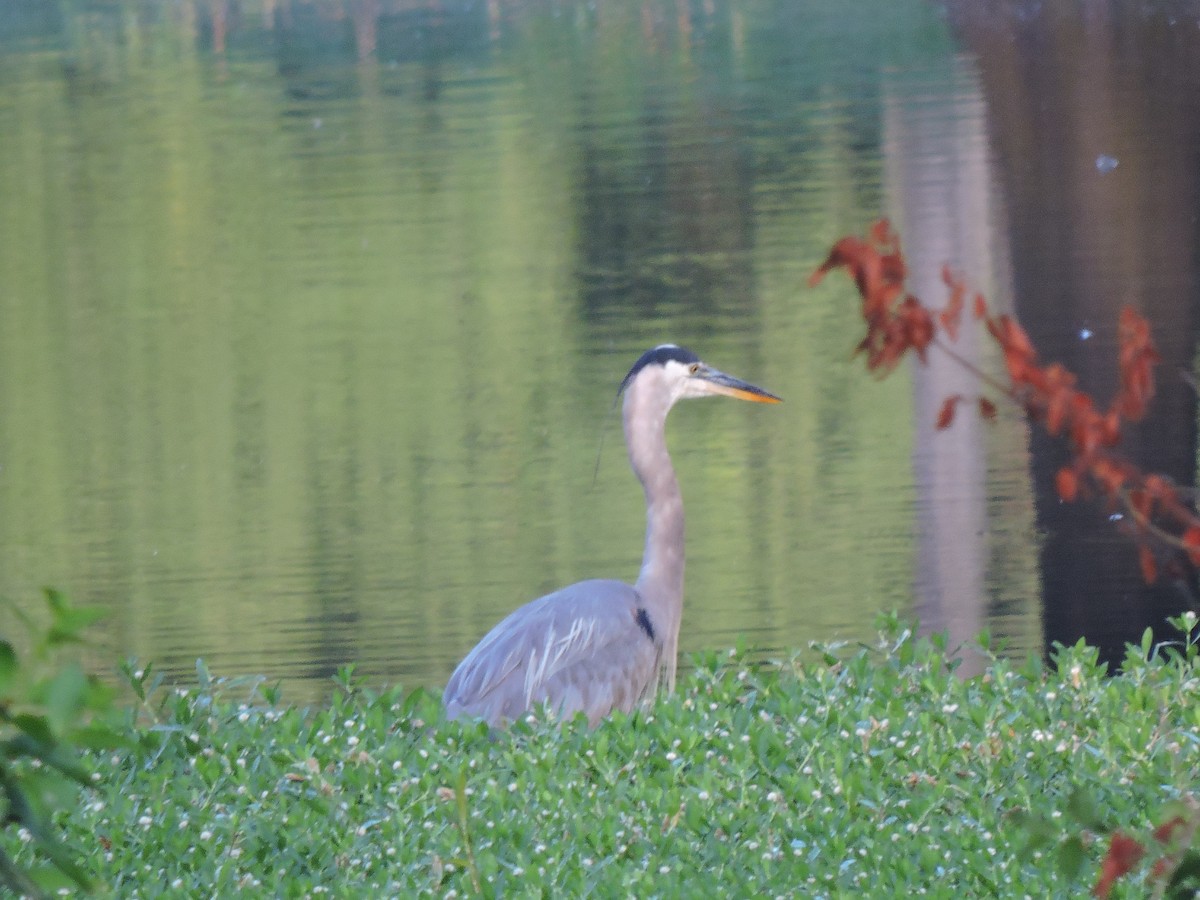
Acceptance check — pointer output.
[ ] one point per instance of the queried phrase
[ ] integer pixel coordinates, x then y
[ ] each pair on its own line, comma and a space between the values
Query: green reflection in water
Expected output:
307, 360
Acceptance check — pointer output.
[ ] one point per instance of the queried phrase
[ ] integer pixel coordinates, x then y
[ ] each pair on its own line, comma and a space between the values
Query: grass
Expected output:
847, 771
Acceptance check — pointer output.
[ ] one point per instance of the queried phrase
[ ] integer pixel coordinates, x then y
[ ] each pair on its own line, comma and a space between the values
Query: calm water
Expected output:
313, 314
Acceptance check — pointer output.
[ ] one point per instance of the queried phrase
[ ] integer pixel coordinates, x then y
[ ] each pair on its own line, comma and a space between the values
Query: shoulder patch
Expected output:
643, 621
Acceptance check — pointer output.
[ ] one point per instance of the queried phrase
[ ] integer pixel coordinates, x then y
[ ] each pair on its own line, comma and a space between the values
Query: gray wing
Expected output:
587, 647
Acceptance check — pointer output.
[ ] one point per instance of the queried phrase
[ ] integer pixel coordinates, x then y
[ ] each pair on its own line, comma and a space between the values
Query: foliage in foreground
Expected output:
49, 710
850, 771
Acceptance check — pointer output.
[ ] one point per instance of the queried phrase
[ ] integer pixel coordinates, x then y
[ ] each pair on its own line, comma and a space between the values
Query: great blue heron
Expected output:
602, 645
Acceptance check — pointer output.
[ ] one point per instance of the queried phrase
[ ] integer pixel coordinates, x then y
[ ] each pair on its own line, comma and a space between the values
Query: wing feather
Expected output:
580, 648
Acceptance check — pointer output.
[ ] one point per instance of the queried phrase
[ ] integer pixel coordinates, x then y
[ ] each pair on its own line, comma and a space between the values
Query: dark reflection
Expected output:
1095, 127
686, 256
665, 207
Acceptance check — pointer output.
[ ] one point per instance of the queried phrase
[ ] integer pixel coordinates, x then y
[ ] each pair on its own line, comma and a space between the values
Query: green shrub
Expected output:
841, 771
49, 711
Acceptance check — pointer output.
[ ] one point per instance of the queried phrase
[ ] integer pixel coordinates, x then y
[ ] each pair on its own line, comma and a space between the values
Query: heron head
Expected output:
684, 375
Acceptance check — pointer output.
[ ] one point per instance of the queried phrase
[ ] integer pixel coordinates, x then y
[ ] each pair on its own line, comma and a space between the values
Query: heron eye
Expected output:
693, 368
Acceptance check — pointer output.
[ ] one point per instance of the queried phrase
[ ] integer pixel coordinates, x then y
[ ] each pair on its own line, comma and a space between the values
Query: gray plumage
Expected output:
601, 645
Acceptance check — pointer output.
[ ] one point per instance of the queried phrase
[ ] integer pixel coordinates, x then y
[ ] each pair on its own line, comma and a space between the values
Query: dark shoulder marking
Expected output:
659, 356
643, 621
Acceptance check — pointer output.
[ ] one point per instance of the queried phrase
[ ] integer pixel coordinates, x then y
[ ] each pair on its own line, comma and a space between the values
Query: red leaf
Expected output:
852, 253
987, 408
946, 413
882, 234
917, 324
1148, 563
1056, 411
1062, 400
877, 267
1136, 358
1158, 486
981, 307
952, 314
1123, 854
1109, 474
1191, 543
1110, 429
1164, 831
1066, 483
1087, 429
1019, 355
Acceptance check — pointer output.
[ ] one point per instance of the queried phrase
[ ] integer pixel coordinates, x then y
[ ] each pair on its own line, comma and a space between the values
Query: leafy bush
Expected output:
49, 711
846, 770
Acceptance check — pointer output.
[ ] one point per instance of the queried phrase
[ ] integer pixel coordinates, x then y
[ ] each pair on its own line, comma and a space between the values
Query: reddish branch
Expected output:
898, 322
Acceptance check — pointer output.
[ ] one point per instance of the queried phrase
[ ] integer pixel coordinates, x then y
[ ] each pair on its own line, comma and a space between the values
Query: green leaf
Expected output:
68, 625
64, 697
1185, 880
35, 726
56, 600
99, 736
1083, 809
203, 676
9, 668
1071, 857
12, 876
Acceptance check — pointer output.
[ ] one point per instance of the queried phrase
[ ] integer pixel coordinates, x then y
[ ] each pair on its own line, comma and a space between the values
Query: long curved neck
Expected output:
660, 582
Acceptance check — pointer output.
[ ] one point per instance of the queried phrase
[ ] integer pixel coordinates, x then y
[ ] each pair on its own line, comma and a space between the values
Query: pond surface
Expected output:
312, 315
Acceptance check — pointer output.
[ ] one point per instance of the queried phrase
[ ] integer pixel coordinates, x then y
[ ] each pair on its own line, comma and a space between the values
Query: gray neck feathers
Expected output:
660, 582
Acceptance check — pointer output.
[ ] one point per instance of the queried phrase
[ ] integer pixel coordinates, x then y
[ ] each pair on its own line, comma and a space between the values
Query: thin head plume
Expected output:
604, 430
